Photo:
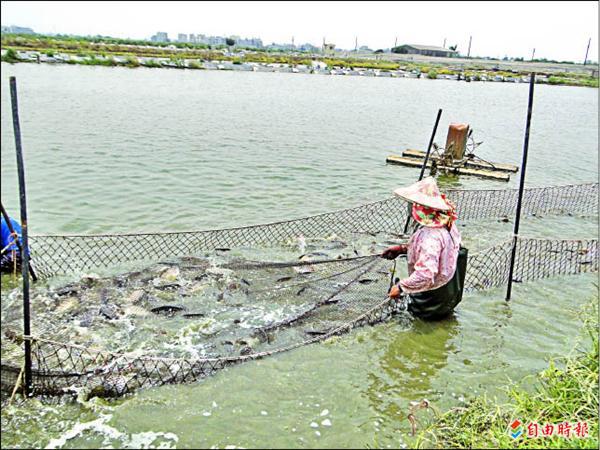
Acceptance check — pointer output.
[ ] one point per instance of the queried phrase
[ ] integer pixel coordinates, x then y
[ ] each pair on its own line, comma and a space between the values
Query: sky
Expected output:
557, 30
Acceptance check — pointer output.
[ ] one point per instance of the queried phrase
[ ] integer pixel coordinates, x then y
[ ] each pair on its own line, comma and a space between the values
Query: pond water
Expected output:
115, 150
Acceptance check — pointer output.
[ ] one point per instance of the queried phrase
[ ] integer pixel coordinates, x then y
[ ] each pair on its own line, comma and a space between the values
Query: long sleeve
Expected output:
426, 266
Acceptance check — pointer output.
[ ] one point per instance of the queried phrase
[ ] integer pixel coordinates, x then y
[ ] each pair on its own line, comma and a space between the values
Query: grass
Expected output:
91, 47
566, 391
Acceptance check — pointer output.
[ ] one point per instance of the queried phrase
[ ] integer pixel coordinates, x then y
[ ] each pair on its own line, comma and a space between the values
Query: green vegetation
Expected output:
10, 56
99, 50
566, 391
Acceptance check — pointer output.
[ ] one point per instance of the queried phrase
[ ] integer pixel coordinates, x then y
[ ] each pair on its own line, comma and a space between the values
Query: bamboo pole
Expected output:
437, 121
27, 386
521, 188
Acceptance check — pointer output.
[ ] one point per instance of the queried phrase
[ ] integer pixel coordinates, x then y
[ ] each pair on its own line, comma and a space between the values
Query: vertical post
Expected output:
586, 51
469, 51
533, 54
521, 188
424, 165
396, 42
444, 44
27, 386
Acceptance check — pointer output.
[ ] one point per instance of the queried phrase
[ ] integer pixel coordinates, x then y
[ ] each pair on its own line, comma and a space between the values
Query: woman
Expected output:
436, 260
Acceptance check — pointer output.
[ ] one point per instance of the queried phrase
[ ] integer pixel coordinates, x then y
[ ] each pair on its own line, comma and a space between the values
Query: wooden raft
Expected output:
469, 163
418, 162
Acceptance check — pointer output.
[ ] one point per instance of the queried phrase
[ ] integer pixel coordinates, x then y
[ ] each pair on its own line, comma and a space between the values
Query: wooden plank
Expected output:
473, 164
414, 162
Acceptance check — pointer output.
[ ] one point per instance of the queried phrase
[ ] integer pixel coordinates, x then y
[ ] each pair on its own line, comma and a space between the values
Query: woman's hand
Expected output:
394, 251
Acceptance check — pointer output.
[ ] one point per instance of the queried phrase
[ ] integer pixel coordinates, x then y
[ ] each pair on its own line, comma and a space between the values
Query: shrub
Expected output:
10, 56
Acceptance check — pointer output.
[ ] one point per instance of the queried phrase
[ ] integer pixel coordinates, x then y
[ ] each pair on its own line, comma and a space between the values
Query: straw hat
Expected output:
424, 192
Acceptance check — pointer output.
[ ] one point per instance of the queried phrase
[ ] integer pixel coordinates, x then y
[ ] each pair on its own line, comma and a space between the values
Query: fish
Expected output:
87, 319
165, 286
279, 280
110, 311
307, 255
137, 297
336, 245
68, 305
169, 310
193, 314
317, 332
68, 289
89, 279
247, 350
303, 270
104, 296
301, 290
135, 311
170, 274
366, 281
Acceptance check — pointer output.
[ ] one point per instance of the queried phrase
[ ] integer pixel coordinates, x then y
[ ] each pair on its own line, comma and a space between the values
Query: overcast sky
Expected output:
557, 30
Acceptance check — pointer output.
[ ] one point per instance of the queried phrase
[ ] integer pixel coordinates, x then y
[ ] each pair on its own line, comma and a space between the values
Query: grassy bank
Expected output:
103, 51
566, 391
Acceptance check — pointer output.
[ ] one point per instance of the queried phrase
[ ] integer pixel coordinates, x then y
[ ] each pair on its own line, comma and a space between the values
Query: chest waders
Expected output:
439, 303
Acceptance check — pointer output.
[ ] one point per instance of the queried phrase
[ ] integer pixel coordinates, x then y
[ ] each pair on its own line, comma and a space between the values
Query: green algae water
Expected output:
115, 150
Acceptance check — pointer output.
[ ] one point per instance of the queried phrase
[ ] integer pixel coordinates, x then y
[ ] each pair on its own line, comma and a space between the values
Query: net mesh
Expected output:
54, 255
321, 299
303, 301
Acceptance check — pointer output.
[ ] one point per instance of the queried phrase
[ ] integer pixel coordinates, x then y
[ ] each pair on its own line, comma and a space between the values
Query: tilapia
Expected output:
137, 297
68, 305
168, 310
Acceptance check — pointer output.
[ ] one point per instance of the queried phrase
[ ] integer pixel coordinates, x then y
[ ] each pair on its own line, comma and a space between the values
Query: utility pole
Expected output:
293, 42
356, 44
469, 51
444, 44
533, 54
396, 42
586, 52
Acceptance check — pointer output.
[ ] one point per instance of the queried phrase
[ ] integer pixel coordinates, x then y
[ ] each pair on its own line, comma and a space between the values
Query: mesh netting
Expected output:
67, 254
307, 301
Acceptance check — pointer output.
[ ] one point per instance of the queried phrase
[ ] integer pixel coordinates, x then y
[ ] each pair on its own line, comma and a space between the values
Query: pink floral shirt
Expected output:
431, 256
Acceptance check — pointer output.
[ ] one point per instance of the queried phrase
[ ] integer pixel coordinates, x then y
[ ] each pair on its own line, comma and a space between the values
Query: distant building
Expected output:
17, 30
181, 37
252, 42
216, 40
160, 37
426, 50
308, 48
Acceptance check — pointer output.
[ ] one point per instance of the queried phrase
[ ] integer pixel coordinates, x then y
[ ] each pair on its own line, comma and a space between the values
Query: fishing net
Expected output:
54, 255
235, 310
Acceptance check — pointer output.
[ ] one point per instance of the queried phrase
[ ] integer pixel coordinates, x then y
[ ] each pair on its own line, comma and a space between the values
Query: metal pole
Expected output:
521, 188
437, 121
586, 51
18, 242
27, 386
469, 51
